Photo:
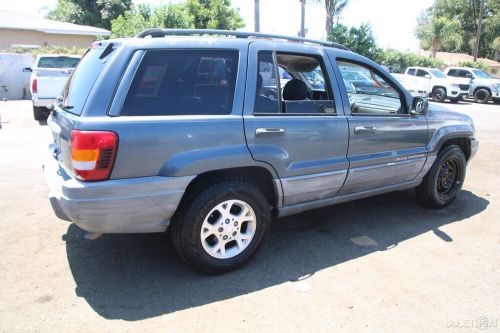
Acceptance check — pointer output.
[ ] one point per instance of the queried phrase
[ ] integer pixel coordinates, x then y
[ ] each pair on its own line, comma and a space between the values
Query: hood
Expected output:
484, 81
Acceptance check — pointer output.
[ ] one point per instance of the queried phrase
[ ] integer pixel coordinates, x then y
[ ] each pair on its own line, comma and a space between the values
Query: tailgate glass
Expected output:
80, 83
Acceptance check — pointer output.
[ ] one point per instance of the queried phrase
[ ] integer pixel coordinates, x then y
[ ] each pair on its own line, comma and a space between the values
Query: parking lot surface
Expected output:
379, 264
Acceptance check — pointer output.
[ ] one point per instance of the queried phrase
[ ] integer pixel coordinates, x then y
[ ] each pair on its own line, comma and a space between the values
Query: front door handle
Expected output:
263, 132
365, 130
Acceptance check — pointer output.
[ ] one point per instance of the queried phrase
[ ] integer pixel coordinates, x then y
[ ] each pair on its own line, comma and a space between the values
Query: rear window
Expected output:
80, 83
57, 62
183, 82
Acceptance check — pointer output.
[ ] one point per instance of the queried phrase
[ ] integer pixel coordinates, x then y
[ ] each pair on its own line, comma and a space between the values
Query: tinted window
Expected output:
80, 83
463, 73
183, 82
266, 98
452, 72
368, 92
422, 73
411, 71
57, 62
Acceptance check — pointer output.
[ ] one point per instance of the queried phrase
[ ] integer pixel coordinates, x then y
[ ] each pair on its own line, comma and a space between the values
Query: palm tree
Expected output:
496, 47
439, 33
333, 9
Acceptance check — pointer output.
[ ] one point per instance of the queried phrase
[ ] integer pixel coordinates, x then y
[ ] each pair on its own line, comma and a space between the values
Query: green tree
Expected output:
359, 39
466, 13
142, 17
214, 14
439, 33
199, 14
96, 13
333, 8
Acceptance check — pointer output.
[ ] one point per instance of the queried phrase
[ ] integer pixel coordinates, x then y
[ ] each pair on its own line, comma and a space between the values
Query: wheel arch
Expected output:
259, 175
442, 87
482, 87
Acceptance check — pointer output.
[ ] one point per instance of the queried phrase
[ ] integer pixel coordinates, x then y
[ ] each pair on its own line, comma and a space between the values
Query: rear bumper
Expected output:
43, 102
136, 205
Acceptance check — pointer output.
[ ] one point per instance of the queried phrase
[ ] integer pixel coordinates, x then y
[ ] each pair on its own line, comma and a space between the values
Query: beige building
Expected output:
453, 59
29, 31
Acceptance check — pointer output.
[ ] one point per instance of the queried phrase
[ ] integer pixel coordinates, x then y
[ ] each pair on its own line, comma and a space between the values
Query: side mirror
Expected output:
427, 76
419, 105
469, 76
27, 70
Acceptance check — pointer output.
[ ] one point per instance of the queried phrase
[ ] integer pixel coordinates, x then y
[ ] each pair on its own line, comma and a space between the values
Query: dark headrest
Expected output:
295, 90
259, 81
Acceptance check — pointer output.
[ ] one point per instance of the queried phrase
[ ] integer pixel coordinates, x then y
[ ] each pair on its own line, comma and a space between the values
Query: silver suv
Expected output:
202, 136
482, 86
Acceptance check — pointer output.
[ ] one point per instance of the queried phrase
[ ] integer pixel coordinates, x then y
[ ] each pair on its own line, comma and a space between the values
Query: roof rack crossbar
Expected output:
155, 32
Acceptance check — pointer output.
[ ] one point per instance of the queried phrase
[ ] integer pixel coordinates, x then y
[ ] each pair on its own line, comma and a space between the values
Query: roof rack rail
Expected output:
155, 32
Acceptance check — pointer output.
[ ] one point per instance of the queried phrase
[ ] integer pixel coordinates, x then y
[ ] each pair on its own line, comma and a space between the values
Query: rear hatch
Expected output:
52, 72
74, 96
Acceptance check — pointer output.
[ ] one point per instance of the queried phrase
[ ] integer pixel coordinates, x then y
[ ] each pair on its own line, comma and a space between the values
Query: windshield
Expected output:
481, 74
437, 73
58, 62
315, 78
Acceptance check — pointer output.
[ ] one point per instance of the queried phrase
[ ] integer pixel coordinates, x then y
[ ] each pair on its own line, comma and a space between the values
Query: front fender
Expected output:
446, 133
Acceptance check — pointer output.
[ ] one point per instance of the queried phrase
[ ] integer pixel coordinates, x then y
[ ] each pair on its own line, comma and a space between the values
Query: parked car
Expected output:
440, 87
482, 87
49, 74
205, 154
414, 85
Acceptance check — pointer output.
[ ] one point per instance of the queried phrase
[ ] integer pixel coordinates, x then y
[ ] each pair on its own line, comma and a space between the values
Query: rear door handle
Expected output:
263, 132
365, 130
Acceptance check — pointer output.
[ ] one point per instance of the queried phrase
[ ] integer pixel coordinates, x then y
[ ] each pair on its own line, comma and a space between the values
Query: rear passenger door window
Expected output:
292, 84
183, 82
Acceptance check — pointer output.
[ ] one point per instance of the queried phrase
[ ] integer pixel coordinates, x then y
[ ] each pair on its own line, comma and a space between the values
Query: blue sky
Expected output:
393, 21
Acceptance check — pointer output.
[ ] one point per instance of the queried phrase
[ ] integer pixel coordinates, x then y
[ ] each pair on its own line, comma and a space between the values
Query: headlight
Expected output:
496, 86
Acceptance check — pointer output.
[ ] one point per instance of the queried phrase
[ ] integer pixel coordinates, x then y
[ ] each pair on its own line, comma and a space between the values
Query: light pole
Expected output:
302, 32
478, 33
257, 16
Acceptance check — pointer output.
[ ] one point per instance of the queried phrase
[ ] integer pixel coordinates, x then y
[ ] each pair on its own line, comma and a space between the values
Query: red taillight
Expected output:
34, 86
93, 154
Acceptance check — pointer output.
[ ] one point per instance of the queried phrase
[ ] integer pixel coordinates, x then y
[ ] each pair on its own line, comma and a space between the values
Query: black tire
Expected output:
439, 95
482, 96
40, 113
187, 224
444, 180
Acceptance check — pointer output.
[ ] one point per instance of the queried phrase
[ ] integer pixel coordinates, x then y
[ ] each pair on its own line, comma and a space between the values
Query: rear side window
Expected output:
57, 62
82, 80
452, 72
411, 71
183, 82
422, 73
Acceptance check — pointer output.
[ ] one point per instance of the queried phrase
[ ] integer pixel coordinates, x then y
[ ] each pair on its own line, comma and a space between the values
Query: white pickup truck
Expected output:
435, 83
49, 74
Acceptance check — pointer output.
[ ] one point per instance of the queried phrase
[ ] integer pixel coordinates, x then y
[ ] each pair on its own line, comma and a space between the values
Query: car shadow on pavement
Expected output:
134, 277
